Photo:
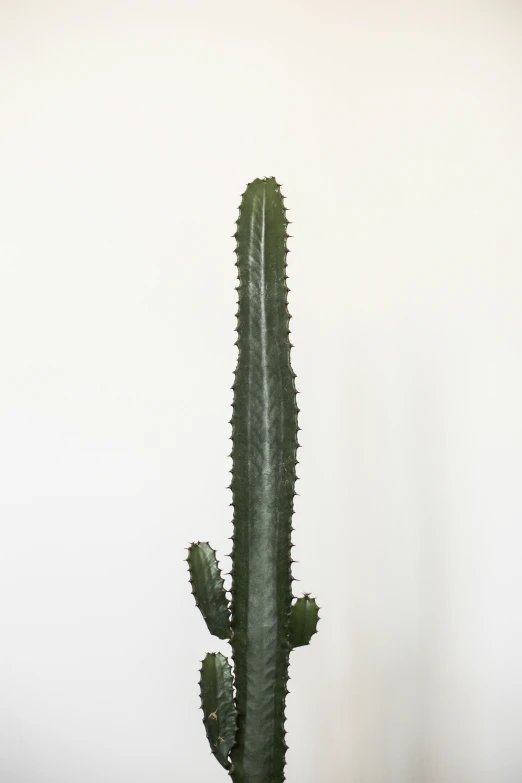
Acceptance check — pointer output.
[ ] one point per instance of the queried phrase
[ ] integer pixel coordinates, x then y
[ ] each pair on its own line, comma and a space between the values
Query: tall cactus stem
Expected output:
264, 432
246, 730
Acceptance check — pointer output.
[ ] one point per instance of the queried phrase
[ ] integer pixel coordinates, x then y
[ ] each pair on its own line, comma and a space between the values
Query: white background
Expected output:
128, 131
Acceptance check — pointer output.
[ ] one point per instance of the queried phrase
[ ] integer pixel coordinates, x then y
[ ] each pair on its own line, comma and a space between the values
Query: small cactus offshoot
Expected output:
244, 712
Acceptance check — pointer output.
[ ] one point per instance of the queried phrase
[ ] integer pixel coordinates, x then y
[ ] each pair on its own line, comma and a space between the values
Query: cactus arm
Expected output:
303, 621
208, 589
217, 703
264, 443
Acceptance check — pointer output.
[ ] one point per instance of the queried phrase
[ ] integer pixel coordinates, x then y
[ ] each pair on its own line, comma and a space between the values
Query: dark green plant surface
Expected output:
208, 589
217, 703
264, 624
303, 621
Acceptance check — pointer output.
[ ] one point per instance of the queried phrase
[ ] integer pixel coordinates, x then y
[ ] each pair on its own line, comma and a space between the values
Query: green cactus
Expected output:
217, 702
246, 730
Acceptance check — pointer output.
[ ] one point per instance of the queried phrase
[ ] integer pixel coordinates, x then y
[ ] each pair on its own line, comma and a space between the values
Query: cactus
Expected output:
264, 623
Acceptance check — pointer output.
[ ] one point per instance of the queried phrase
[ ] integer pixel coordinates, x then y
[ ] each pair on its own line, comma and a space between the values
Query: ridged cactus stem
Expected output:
246, 730
264, 435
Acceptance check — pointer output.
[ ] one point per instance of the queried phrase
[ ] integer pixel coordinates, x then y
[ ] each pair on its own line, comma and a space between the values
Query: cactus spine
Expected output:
264, 625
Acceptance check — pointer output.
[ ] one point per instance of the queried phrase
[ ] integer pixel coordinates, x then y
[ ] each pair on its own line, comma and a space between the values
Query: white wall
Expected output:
128, 131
